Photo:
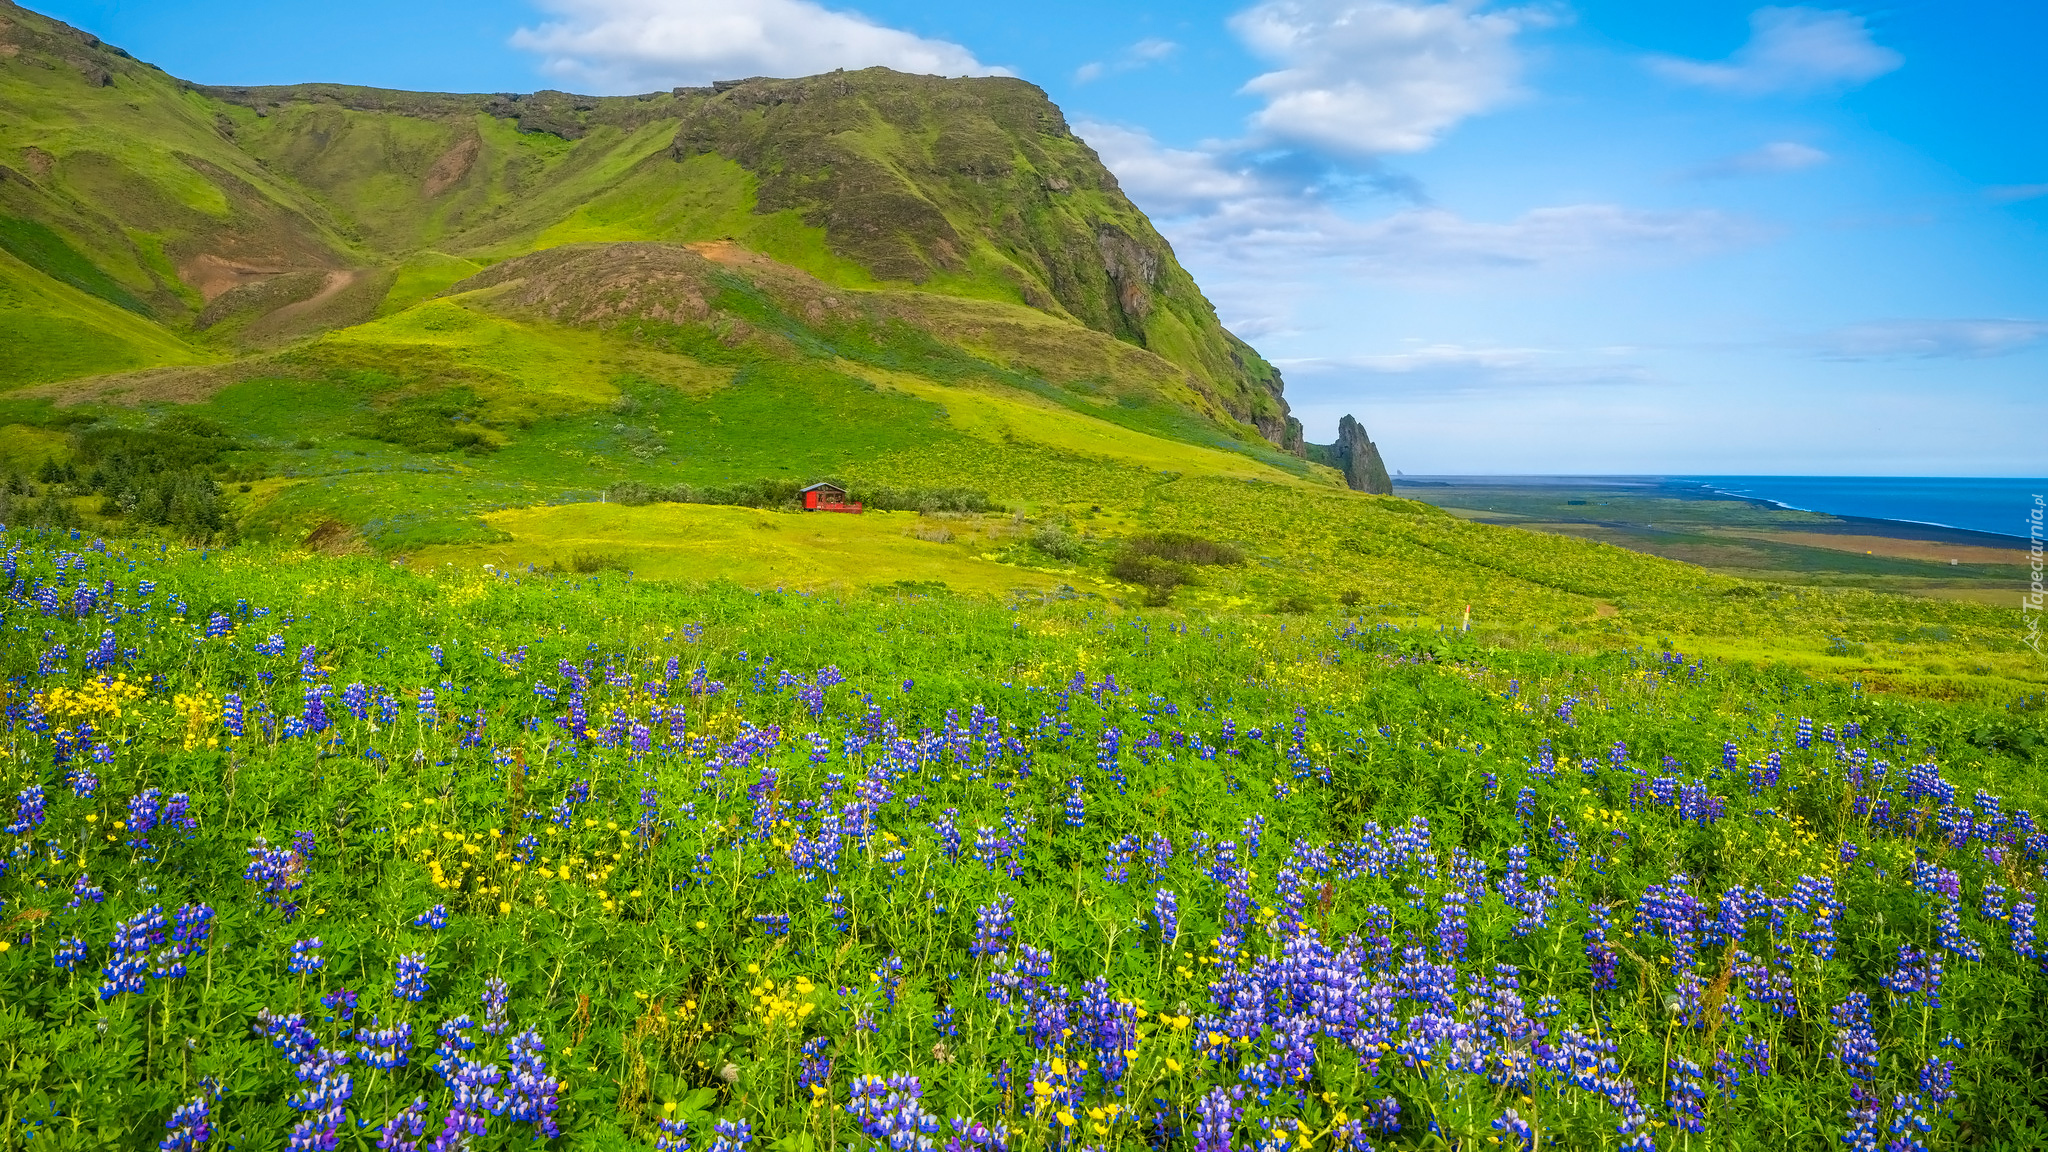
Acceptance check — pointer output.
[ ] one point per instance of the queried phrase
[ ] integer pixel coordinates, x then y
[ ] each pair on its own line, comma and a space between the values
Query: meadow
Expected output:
321, 852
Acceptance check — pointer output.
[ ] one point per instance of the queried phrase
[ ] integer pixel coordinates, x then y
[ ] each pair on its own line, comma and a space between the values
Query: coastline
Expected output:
1743, 534
1709, 488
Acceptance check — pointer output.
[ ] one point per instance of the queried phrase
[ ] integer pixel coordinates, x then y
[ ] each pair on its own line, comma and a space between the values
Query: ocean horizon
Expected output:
1999, 506
1977, 504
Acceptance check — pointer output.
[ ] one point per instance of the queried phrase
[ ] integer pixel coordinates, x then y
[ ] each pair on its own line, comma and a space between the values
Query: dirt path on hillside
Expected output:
337, 283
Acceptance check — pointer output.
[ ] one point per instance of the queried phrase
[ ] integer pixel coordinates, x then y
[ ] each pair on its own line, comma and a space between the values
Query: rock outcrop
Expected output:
1355, 455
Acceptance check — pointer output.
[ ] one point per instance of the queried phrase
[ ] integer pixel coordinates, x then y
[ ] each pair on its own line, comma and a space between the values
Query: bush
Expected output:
1158, 577
590, 563
886, 499
1182, 548
1054, 540
767, 493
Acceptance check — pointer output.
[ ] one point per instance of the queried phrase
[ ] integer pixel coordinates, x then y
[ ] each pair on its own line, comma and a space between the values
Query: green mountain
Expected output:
239, 219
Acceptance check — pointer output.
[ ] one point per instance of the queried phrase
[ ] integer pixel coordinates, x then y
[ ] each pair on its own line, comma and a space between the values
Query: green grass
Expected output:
658, 923
53, 331
428, 274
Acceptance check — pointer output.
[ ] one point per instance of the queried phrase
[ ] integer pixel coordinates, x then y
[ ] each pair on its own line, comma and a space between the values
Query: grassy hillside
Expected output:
561, 331
179, 197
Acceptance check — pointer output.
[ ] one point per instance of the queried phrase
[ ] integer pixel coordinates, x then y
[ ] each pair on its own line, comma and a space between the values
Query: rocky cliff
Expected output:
1355, 455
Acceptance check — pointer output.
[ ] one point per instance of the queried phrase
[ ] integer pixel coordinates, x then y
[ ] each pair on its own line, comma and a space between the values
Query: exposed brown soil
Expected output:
334, 539
337, 283
453, 165
215, 276
39, 162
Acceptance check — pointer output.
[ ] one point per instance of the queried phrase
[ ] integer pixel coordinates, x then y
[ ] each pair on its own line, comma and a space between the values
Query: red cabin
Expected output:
827, 498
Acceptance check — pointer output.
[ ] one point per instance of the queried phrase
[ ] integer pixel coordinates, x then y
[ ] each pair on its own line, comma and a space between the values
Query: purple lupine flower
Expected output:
434, 919
135, 938
306, 958
737, 1135
1688, 1096
28, 811
1916, 980
191, 929
974, 1136
1166, 916
143, 809
189, 1127
2020, 925
411, 982
402, 1132
815, 1073
674, 1133
1949, 932
341, 1002
532, 1095
231, 714
382, 1047
85, 784
892, 1113
70, 955
496, 996
1158, 854
276, 872
1077, 804
84, 891
992, 927
1855, 1041
1514, 1131
1938, 1079
1118, 868
1216, 1119
1451, 927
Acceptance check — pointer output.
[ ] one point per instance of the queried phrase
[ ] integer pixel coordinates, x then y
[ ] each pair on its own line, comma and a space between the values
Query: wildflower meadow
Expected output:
321, 853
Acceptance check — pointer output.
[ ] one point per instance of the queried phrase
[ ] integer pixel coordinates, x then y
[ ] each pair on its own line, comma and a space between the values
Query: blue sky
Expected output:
1708, 238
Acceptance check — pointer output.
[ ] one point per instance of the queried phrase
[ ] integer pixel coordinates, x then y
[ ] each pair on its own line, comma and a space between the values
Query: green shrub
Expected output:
1057, 542
1182, 548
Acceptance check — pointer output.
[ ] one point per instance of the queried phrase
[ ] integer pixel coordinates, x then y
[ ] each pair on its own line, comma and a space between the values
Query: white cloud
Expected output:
1791, 50
1265, 240
1780, 156
1440, 368
642, 45
1169, 181
1933, 339
1434, 243
1143, 54
1379, 76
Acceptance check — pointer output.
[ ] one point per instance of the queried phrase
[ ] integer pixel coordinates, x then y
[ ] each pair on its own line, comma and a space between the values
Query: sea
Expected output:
1978, 505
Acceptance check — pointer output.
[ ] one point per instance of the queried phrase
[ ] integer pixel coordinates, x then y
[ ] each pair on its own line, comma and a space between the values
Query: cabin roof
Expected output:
821, 485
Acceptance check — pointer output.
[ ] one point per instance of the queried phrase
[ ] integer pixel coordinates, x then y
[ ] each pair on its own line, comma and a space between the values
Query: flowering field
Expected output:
323, 853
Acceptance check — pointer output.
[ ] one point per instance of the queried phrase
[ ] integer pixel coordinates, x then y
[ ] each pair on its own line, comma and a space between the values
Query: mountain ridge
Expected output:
403, 310
971, 187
